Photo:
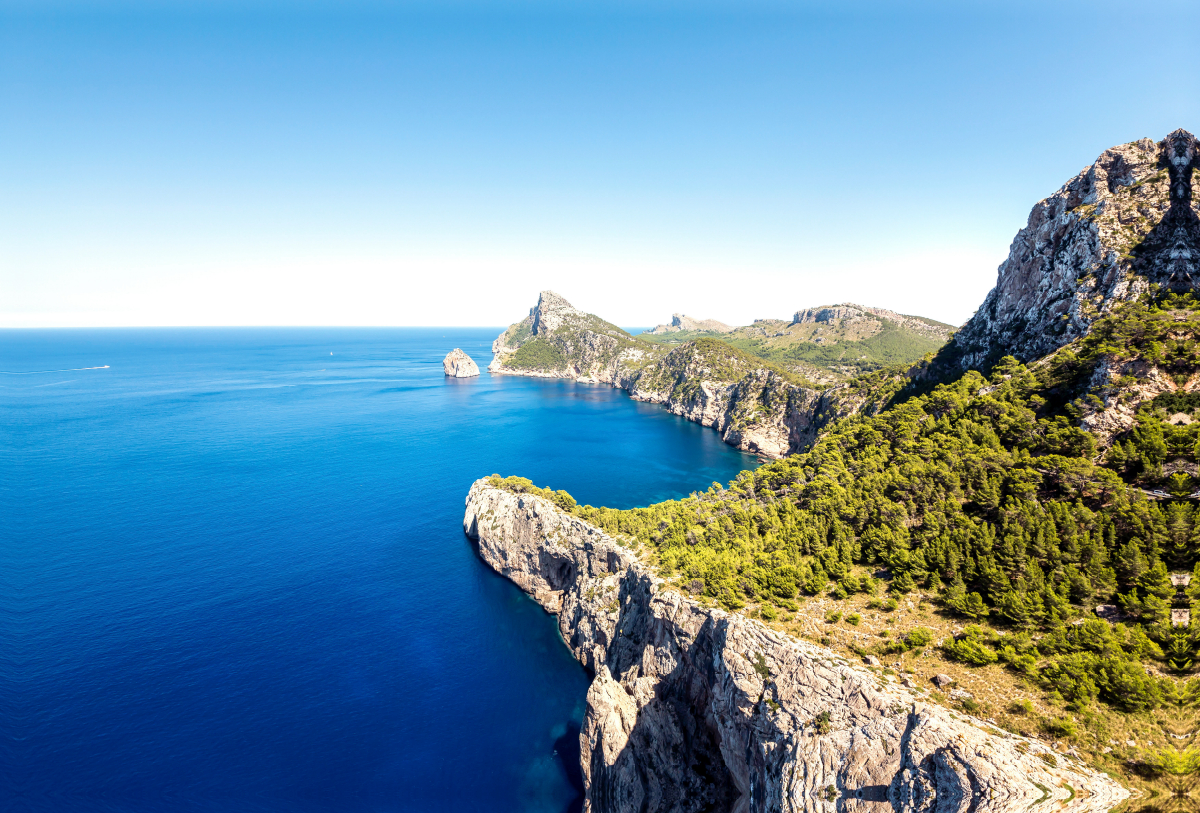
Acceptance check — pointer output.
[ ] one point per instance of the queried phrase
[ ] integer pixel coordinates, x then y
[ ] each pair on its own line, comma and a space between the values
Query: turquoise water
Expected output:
234, 577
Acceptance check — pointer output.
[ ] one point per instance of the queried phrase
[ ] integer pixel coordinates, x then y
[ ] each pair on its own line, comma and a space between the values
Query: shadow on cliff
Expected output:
673, 760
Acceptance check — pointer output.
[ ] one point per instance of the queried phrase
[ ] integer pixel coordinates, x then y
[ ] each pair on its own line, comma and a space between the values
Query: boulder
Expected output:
458, 364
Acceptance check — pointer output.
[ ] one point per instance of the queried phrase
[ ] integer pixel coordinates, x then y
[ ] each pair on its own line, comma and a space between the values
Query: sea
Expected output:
233, 575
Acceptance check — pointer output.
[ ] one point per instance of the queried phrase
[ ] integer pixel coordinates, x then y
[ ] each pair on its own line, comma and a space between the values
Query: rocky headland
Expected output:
458, 364
693, 708
1047, 503
757, 406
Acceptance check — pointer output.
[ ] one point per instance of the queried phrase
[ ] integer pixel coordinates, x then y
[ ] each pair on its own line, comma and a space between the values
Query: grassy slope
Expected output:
841, 354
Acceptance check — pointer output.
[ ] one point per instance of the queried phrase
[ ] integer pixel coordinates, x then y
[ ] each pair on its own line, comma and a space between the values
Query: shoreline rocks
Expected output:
458, 364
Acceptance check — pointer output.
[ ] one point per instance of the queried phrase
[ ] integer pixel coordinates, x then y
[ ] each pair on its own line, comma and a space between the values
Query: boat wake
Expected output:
40, 372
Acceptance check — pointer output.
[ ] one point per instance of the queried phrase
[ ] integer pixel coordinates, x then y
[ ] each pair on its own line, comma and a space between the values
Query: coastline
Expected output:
693, 708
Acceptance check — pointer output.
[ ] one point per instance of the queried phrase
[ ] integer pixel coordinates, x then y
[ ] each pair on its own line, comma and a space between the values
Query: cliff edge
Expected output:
696, 709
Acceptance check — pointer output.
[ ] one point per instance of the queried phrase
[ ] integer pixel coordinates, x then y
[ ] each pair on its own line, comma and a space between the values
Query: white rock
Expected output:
458, 364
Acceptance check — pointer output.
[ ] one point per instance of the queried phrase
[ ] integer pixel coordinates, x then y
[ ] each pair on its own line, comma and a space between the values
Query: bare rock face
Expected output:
750, 405
681, 322
458, 364
696, 709
1123, 224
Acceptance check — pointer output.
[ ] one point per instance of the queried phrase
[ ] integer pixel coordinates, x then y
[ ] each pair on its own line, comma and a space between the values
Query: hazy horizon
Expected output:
410, 164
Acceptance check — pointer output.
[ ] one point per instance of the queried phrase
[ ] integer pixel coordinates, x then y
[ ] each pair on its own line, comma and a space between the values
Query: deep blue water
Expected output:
233, 575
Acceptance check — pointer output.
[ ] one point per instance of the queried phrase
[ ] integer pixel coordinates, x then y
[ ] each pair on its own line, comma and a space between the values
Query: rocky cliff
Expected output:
868, 320
754, 405
1124, 224
696, 709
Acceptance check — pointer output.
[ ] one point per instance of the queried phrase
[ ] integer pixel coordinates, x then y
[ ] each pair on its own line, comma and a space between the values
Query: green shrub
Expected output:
537, 354
1022, 706
969, 648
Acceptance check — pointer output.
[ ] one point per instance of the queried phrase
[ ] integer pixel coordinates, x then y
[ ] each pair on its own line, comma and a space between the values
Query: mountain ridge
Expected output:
1124, 226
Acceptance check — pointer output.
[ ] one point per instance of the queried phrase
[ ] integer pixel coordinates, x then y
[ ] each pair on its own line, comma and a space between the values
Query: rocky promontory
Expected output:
458, 364
695, 709
558, 341
756, 405
1123, 226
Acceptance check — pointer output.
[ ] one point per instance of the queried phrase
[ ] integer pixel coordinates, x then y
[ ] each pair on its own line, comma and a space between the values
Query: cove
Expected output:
234, 575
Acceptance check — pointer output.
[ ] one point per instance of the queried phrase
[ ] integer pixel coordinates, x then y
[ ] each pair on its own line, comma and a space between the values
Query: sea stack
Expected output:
458, 364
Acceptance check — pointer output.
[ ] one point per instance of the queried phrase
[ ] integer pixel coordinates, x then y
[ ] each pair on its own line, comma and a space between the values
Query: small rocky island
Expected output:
458, 364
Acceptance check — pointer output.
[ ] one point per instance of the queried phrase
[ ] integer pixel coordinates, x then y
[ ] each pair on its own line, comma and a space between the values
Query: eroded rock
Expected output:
696, 709
458, 364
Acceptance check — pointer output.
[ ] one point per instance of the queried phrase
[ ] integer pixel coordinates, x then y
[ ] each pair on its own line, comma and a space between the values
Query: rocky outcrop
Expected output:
458, 364
558, 341
696, 709
848, 312
752, 405
681, 322
1122, 225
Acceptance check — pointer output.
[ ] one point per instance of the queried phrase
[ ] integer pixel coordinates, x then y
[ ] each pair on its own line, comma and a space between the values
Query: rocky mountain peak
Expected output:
551, 312
826, 314
1124, 225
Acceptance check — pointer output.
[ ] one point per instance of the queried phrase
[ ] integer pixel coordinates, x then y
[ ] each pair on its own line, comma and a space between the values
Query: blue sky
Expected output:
407, 163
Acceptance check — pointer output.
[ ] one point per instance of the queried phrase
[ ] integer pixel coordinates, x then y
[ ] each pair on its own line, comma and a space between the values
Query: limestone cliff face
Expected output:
696, 709
458, 364
847, 314
752, 406
1123, 224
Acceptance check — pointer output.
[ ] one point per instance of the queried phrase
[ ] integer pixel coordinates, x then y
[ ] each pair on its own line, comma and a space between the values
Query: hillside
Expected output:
828, 344
1017, 538
758, 405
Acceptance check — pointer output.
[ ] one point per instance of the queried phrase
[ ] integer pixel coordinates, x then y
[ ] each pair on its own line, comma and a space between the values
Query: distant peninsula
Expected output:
768, 388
